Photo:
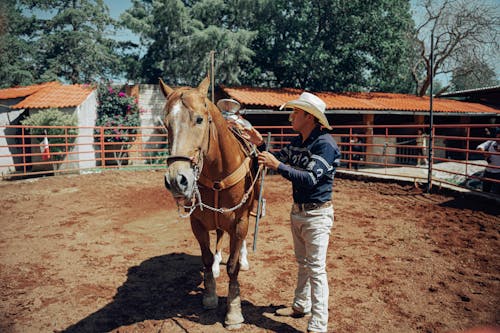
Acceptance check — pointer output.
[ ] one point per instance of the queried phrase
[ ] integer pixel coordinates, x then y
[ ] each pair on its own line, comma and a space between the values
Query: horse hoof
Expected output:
233, 327
210, 302
233, 321
244, 266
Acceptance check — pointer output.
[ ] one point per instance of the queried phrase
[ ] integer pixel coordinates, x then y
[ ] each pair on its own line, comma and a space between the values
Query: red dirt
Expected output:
107, 252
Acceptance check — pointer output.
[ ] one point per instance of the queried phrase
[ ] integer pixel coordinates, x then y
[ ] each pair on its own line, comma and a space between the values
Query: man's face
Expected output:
298, 118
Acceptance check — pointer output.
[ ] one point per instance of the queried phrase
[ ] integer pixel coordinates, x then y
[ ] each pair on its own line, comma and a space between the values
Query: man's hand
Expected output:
268, 160
252, 135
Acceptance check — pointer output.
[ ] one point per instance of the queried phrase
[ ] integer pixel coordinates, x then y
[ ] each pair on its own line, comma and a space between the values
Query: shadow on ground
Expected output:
167, 287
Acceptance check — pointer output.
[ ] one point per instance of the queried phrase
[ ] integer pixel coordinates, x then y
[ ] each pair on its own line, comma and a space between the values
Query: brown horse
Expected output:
211, 176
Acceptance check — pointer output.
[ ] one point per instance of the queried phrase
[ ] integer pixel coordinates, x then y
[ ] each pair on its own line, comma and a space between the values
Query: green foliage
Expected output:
157, 157
116, 112
332, 45
69, 42
58, 137
16, 53
317, 45
179, 36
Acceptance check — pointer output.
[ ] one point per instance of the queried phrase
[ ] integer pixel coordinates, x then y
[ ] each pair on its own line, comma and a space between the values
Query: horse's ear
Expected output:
166, 90
203, 87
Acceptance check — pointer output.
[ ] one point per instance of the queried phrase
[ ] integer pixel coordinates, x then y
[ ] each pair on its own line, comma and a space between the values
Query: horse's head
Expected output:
187, 121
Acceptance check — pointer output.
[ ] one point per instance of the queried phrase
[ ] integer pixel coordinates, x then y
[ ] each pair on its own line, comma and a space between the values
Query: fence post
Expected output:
103, 153
386, 144
23, 138
350, 147
467, 146
66, 146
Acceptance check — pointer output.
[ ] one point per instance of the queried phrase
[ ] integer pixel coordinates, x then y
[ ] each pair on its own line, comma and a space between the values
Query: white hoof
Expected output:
233, 327
216, 264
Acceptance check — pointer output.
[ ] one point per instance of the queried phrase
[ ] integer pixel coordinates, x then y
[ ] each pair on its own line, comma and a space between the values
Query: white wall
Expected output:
152, 101
86, 114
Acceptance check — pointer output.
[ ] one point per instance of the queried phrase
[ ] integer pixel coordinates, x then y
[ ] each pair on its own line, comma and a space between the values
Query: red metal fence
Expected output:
393, 151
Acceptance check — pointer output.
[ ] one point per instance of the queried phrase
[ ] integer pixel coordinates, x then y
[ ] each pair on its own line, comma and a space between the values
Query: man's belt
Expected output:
301, 207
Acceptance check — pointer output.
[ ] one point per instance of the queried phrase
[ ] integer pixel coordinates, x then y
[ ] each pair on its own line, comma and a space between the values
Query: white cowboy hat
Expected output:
311, 104
228, 105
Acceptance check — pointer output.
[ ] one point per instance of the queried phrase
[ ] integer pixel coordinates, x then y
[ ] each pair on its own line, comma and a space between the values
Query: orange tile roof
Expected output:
17, 92
274, 98
56, 96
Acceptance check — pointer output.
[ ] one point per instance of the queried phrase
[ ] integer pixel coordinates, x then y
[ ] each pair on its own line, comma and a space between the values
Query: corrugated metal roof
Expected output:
472, 91
274, 98
56, 96
17, 92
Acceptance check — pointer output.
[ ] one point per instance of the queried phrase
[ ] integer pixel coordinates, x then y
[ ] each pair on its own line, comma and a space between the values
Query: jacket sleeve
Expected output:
324, 160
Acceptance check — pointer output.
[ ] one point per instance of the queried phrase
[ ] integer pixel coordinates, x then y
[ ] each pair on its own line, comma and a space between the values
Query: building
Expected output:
261, 107
20, 102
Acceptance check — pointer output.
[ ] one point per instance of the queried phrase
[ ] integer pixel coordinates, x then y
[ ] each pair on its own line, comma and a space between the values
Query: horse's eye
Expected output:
199, 120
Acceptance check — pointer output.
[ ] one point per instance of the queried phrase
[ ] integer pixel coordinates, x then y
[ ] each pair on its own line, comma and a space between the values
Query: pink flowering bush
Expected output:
116, 112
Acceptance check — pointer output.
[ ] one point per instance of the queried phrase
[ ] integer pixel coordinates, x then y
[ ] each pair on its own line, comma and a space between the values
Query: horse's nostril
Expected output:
183, 180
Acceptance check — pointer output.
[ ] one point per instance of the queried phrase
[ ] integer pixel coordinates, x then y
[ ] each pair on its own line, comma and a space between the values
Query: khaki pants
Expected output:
311, 232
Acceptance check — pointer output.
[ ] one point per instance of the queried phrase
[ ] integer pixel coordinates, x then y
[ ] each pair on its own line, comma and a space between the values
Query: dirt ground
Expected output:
108, 252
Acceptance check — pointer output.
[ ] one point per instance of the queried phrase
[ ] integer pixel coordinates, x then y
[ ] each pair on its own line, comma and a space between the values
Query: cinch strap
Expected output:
230, 180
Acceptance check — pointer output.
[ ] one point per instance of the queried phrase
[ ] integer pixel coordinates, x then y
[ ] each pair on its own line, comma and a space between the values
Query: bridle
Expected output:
197, 166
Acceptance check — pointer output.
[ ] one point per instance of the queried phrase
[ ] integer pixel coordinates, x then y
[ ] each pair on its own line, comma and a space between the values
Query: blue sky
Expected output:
116, 7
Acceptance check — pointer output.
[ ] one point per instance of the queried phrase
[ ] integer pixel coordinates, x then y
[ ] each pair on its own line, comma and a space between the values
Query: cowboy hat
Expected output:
311, 104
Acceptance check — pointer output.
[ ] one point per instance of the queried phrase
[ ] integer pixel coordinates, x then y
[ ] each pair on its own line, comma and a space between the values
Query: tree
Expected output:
319, 45
332, 45
460, 30
473, 74
74, 42
61, 139
179, 36
67, 40
16, 52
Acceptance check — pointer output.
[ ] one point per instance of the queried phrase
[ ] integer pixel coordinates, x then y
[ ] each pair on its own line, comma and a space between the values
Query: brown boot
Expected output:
291, 312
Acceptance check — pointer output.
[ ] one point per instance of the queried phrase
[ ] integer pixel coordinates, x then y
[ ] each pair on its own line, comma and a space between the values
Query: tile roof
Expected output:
17, 92
56, 96
274, 98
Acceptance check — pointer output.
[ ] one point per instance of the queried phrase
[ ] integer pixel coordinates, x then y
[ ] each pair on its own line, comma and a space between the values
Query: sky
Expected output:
116, 7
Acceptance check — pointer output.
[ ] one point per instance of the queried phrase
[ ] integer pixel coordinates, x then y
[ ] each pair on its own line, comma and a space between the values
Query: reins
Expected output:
201, 204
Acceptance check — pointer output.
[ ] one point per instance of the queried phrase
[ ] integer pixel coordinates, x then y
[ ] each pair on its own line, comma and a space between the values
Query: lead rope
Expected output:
196, 199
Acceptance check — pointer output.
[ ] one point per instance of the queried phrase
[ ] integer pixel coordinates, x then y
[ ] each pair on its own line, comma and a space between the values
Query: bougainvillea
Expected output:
117, 113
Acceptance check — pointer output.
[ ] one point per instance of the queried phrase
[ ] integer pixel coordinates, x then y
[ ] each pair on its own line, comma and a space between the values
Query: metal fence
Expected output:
394, 150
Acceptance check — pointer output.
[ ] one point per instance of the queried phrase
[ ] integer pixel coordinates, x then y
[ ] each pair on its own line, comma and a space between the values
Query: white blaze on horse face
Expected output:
180, 178
175, 127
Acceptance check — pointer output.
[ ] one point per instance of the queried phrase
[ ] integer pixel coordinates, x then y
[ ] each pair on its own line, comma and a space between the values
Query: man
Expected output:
421, 141
491, 149
309, 162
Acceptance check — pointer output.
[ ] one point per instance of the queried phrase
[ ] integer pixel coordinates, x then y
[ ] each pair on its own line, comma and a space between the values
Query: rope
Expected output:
197, 197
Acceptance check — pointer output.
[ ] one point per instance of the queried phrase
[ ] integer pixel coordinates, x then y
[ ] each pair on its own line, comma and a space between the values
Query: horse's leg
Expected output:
234, 317
210, 299
244, 265
218, 254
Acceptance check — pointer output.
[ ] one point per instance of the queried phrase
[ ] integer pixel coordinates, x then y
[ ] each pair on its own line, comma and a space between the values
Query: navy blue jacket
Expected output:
310, 166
